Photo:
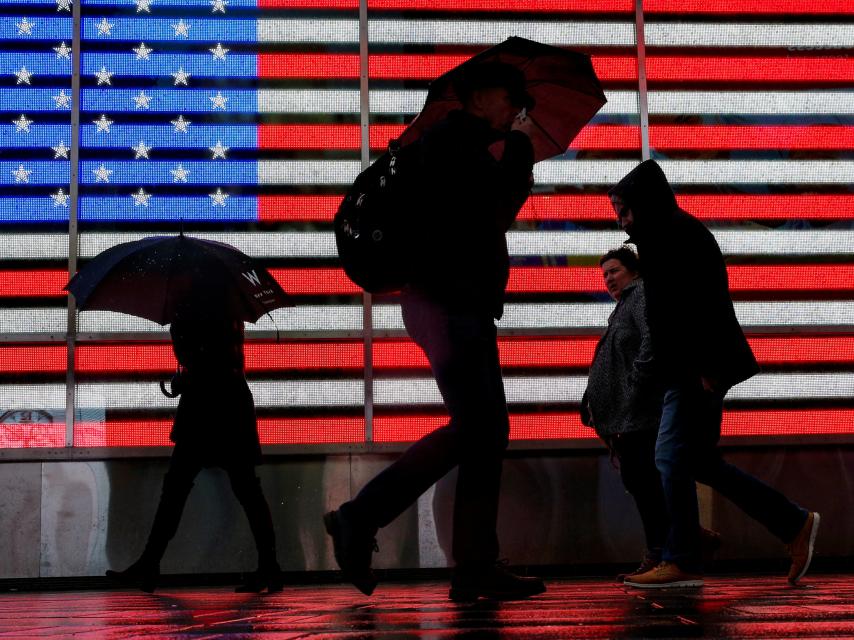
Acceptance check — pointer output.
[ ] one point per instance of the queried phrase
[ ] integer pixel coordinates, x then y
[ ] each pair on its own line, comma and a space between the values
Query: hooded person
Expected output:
701, 352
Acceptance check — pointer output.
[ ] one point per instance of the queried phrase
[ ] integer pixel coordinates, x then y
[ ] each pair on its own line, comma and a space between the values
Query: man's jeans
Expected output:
463, 353
687, 451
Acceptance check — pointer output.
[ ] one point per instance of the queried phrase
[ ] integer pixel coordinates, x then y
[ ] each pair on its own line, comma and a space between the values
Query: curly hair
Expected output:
626, 255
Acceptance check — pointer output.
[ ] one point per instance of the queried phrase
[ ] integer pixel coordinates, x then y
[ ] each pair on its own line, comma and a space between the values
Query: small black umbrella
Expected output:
151, 277
562, 82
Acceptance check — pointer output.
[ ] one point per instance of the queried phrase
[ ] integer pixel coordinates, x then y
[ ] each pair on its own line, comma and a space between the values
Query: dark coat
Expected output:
622, 392
216, 412
691, 316
469, 200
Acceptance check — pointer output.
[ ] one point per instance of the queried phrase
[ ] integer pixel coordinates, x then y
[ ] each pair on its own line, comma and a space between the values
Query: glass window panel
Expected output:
556, 300
35, 140
231, 120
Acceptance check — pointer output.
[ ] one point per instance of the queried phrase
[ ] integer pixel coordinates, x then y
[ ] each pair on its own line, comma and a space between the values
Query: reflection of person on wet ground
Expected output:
214, 426
449, 310
623, 402
701, 353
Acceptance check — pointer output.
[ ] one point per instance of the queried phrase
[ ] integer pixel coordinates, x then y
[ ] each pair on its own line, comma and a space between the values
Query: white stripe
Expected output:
518, 317
307, 244
801, 36
388, 102
317, 244
783, 103
410, 391
410, 102
434, 32
472, 32
732, 243
585, 172
308, 172
560, 172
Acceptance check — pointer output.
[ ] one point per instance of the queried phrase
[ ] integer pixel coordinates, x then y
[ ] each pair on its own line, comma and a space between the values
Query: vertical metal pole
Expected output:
73, 190
367, 309
643, 104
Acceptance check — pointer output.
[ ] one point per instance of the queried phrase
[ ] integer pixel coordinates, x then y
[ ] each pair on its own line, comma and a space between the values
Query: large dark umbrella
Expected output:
562, 82
149, 278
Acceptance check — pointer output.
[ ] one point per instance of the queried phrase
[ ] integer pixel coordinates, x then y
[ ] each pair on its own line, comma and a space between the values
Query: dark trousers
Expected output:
463, 353
687, 451
184, 466
635, 452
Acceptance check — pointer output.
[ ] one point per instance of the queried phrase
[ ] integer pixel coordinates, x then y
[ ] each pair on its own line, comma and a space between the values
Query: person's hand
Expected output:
524, 124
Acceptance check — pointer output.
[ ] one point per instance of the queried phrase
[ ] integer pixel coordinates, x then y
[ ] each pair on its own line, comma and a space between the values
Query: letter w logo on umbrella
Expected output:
252, 277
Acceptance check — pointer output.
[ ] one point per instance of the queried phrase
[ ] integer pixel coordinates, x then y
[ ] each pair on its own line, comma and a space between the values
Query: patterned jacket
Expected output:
623, 393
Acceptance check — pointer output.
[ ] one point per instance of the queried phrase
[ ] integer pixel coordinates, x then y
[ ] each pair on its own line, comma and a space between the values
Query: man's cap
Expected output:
488, 75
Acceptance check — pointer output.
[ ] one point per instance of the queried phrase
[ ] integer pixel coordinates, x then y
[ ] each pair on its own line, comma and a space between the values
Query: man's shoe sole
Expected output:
365, 582
678, 584
816, 521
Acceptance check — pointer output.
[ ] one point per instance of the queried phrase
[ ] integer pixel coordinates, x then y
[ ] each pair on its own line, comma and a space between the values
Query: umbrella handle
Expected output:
166, 392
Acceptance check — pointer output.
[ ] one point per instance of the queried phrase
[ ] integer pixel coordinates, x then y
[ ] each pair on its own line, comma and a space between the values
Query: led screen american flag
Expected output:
240, 121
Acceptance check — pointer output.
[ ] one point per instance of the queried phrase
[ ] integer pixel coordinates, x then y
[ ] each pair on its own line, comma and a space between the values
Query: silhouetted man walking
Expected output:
468, 202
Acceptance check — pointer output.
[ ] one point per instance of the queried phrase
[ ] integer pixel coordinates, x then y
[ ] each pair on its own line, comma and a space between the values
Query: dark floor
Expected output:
737, 607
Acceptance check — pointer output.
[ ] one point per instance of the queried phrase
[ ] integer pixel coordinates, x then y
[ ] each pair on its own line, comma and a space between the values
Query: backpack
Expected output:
375, 222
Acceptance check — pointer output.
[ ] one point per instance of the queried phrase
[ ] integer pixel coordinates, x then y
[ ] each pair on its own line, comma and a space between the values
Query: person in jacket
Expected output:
468, 201
701, 352
215, 426
623, 399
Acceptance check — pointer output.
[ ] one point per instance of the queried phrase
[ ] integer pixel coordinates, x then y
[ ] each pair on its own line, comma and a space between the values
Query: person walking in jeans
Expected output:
701, 353
469, 201
623, 403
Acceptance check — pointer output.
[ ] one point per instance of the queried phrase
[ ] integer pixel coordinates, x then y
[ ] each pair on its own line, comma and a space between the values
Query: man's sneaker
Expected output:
353, 549
710, 542
800, 549
495, 583
666, 575
651, 559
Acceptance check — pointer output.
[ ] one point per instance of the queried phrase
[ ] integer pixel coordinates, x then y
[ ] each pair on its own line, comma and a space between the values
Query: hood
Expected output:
646, 191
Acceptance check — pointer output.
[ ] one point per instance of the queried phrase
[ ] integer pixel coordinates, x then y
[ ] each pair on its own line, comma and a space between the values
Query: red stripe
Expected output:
402, 66
347, 355
705, 207
313, 137
564, 6
814, 7
333, 281
328, 430
814, 70
725, 137
31, 436
297, 208
304, 208
746, 7
567, 426
155, 433
348, 136
608, 68
37, 283
830, 277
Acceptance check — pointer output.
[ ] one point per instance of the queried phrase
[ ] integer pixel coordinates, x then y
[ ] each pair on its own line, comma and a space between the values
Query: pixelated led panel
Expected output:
241, 121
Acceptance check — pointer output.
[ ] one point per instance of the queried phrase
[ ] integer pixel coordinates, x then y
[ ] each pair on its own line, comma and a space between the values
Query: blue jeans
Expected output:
462, 349
687, 452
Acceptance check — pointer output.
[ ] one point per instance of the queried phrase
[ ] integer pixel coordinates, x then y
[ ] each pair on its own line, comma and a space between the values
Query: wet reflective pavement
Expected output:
727, 607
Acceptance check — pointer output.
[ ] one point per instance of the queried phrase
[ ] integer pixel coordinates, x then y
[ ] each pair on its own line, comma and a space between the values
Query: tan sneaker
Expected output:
666, 575
800, 549
650, 561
